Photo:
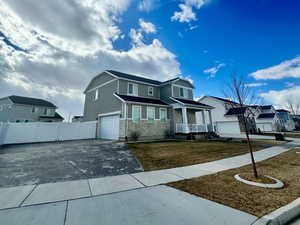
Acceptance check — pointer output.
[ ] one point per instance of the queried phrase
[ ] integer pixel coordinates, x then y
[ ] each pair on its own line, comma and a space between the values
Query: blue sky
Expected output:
53, 51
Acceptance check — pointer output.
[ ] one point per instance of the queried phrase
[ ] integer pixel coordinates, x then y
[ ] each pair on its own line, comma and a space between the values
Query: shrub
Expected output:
135, 135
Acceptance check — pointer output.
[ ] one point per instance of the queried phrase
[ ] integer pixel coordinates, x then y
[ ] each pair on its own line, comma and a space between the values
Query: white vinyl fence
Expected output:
15, 133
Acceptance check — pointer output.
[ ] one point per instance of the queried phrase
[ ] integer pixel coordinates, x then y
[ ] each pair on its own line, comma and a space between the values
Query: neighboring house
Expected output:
286, 120
23, 109
227, 115
266, 118
77, 119
296, 119
125, 104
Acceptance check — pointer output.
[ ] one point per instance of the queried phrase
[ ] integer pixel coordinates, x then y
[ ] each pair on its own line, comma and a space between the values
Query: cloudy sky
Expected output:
52, 50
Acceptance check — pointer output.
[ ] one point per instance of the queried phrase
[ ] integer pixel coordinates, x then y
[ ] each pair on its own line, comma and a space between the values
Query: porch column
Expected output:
210, 120
203, 117
184, 119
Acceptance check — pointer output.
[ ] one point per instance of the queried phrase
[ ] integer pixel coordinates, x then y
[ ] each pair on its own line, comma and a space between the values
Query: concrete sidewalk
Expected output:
146, 206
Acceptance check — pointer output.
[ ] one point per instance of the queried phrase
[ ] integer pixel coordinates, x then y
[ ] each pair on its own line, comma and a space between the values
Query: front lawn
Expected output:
223, 188
165, 155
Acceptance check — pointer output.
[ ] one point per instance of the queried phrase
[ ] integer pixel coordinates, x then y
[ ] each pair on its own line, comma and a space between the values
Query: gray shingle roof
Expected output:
129, 98
134, 77
192, 102
236, 111
266, 116
224, 100
30, 101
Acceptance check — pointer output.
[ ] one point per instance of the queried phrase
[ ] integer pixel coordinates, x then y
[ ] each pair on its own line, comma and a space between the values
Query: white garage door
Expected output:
264, 126
109, 127
228, 127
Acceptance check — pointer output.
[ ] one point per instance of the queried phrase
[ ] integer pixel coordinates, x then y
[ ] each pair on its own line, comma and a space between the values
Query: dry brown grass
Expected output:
165, 155
223, 188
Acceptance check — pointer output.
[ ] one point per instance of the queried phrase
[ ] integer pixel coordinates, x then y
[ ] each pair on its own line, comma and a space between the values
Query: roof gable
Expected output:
30, 101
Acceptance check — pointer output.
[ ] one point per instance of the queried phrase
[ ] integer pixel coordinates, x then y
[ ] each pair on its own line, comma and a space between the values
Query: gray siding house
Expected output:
23, 109
124, 104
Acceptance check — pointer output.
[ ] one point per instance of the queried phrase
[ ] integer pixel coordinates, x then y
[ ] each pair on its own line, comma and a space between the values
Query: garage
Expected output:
109, 127
264, 127
230, 127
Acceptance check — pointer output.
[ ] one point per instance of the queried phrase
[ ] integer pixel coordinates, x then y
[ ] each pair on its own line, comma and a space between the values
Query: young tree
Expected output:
243, 97
293, 106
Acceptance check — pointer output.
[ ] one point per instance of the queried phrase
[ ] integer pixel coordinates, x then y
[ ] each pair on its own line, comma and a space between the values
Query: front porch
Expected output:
187, 123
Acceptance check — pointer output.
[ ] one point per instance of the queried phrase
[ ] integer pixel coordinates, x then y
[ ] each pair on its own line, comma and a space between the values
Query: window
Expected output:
163, 114
45, 111
150, 113
136, 113
183, 92
1, 107
34, 109
150, 91
133, 89
96, 94
49, 111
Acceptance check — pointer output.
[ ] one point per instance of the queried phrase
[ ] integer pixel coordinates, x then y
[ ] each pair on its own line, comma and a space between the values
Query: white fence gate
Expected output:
15, 133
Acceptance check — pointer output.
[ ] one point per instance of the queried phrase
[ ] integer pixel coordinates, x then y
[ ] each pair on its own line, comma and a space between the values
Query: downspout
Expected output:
126, 121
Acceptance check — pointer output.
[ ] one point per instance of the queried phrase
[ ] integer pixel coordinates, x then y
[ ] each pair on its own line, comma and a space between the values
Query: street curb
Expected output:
282, 215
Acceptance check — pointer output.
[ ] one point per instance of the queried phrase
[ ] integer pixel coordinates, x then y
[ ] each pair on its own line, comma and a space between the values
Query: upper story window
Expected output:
150, 91
1, 107
183, 92
96, 94
133, 89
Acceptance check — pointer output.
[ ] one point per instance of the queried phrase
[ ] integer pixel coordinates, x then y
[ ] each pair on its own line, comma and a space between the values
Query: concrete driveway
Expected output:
61, 161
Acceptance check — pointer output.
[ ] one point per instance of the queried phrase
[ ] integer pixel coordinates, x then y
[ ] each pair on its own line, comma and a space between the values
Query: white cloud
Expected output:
147, 5
186, 14
256, 84
212, 71
281, 97
289, 84
288, 68
57, 64
147, 27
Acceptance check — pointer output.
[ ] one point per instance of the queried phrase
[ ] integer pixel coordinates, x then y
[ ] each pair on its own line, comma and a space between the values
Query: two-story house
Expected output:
23, 109
266, 118
124, 104
227, 115
286, 120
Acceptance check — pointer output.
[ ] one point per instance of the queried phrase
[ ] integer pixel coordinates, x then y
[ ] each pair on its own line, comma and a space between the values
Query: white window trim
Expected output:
182, 92
151, 88
148, 108
133, 84
96, 94
136, 106
185, 92
160, 109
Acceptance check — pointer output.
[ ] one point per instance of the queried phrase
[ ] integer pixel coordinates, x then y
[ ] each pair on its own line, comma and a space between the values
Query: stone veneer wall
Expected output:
148, 130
